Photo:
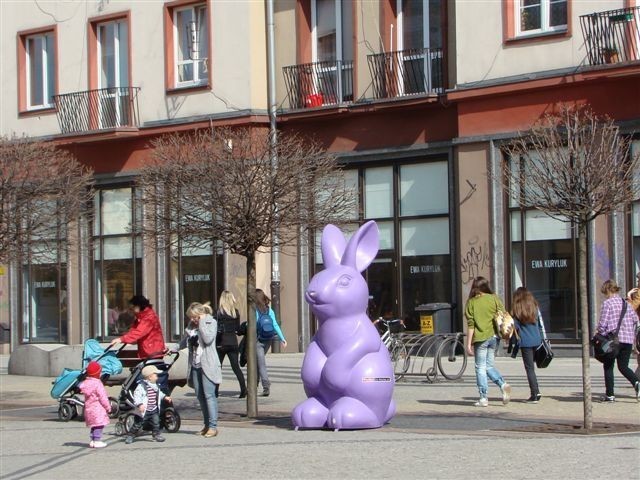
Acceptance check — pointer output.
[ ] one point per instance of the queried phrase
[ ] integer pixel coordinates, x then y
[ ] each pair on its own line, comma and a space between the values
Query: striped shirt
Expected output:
610, 316
152, 399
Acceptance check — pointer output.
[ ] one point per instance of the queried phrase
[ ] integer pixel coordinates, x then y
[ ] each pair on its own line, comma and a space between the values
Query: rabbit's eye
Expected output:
344, 281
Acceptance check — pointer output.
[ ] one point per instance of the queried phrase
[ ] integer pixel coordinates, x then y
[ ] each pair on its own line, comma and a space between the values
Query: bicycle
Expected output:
453, 348
397, 349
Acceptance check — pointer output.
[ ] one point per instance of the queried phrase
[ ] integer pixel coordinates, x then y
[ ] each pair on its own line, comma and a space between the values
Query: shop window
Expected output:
196, 275
44, 295
378, 192
543, 260
117, 259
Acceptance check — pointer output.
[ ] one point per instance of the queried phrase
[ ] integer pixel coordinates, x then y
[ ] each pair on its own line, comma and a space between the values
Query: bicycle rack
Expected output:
422, 350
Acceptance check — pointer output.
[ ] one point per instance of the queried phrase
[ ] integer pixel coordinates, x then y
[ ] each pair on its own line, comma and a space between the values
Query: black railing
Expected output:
100, 109
417, 71
612, 36
321, 83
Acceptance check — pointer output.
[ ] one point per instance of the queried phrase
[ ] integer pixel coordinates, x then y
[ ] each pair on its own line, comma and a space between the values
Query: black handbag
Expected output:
543, 354
606, 347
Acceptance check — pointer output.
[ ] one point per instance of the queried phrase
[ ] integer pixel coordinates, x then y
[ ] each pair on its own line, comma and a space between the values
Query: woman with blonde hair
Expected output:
203, 368
614, 312
228, 323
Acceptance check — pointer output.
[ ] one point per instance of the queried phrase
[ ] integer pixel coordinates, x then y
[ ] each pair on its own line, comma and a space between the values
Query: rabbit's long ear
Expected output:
333, 245
362, 247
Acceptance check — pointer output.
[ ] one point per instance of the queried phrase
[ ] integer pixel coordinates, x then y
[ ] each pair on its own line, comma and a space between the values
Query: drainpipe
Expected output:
273, 139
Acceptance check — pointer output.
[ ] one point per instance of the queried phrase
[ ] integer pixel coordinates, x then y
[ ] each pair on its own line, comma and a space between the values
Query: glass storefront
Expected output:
44, 297
543, 259
117, 260
196, 275
410, 203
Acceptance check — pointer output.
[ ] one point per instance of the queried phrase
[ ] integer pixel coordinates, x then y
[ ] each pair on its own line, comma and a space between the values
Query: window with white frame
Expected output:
40, 76
540, 16
191, 45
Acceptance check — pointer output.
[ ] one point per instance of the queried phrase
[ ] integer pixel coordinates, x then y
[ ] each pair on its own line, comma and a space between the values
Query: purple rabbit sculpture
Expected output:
346, 372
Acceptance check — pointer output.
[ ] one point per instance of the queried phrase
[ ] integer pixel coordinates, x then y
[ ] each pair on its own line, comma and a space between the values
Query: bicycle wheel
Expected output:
452, 358
399, 358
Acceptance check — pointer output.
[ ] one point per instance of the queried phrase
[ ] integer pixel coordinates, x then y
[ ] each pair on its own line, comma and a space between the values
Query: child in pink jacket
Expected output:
96, 404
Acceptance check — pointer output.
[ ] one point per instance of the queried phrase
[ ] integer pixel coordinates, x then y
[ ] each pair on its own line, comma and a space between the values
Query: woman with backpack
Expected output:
267, 328
227, 341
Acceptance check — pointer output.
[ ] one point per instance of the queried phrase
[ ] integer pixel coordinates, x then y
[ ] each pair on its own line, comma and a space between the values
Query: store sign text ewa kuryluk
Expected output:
555, 263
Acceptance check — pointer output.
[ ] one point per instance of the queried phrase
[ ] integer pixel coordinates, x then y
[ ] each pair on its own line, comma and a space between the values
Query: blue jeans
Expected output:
206, 393
484, 353
262, 347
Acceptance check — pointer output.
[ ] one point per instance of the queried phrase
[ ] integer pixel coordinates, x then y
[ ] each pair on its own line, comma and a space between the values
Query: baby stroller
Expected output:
66, 387
169, 417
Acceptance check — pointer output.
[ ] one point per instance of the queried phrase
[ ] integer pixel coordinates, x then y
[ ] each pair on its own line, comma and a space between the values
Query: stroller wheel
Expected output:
129, 419
66, 412
171, 420
115, 407
119, 429
78, 405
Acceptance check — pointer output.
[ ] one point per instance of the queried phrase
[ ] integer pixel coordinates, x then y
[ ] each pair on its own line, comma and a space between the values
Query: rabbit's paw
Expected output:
391, 411
350, 413
309, 414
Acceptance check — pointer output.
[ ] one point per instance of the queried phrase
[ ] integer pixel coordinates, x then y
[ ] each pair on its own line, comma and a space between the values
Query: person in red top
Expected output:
145, 331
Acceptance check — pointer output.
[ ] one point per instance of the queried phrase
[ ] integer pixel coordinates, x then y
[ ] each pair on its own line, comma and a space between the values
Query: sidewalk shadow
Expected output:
76, 444
463, 402
277, 421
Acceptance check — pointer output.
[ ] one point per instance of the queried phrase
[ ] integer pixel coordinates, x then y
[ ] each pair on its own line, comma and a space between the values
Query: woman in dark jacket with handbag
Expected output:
227, 344
529, 329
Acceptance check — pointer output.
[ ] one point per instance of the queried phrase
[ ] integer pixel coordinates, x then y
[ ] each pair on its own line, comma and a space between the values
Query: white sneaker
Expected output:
91, 443
483, 402
506, 393
97, 444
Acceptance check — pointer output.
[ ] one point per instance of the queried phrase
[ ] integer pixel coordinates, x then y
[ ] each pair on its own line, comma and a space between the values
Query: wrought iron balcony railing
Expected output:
417, 71
101, 109
612, 36
319, 83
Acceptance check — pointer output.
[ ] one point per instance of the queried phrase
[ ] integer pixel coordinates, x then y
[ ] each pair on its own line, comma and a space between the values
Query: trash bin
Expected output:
435, 318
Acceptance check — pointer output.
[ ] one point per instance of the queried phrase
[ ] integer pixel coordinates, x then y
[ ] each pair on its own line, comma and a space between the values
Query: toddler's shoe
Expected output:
98, 444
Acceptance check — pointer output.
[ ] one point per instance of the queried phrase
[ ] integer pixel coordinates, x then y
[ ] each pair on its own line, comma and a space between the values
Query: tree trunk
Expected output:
584, 325
251, 339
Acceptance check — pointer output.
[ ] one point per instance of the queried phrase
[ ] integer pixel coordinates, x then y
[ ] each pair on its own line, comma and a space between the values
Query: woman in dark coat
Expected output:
227, 344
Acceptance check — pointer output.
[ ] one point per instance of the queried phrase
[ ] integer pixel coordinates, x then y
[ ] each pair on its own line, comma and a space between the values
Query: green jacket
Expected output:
479, 312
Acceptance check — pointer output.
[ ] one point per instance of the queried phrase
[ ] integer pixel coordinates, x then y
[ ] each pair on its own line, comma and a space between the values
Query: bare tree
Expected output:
574, 166
42, 190
221, 184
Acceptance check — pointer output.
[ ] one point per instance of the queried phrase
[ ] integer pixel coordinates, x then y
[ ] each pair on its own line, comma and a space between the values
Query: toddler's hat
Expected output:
149, 370
94, 369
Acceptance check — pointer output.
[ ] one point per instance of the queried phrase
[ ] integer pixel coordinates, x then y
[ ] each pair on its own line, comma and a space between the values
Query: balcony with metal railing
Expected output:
612, 36
319, 84
402, 73
95, 110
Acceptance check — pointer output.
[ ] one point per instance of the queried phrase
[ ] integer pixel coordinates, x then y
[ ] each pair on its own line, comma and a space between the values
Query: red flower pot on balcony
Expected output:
313, 100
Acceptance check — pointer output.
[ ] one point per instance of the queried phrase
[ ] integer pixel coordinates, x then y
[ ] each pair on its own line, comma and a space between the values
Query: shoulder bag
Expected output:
543, 354
503, 323
606, 347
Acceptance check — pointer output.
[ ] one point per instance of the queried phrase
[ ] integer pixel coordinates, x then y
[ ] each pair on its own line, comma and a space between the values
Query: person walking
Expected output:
204, 373
96, 404
267, 329
610, 314
227, 342
530, 330
482, 340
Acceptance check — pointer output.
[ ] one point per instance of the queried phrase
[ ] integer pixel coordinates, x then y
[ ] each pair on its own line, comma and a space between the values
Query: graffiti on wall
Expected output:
475, 261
